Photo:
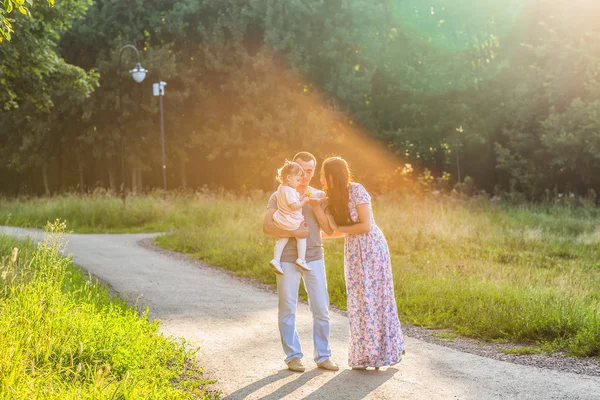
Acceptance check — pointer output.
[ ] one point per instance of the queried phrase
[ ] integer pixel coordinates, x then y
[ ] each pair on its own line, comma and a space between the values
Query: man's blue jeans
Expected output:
315, 284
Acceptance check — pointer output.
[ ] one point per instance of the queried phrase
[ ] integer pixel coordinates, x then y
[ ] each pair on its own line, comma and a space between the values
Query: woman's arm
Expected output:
334, 235
363, 226
317, 206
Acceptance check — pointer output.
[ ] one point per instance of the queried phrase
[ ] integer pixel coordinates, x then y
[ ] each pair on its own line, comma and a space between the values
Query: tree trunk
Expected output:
80, 169
45, 178
139, 180
183, 174
60, 170
111, 179
134, 188
81, 181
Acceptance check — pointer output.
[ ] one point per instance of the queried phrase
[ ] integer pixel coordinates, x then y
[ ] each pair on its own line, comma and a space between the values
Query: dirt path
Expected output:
235, 325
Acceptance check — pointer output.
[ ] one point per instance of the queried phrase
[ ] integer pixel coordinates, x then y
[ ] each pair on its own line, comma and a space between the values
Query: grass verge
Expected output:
65, 337
496, 272
489, 272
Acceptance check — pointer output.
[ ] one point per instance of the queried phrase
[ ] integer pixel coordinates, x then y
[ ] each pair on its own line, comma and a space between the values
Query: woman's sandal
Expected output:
362, 367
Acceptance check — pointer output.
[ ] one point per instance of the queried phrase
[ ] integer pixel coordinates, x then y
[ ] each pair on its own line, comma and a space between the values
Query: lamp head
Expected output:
138, 73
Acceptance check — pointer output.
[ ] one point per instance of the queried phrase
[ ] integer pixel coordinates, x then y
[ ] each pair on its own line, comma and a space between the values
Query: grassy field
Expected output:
527, 273
65, 337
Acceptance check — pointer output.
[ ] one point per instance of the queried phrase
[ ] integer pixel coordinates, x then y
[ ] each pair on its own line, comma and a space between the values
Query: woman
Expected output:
375, 334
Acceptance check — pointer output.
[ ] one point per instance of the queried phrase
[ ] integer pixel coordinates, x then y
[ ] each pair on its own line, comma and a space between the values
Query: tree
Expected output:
36, 79
7, 7
506, 94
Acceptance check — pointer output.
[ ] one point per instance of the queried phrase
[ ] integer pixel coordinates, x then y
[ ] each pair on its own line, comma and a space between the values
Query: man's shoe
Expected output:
296, 365
302, 264
328, 365
276, 267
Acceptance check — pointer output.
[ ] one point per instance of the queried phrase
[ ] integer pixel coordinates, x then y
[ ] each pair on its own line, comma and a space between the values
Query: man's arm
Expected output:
269, 227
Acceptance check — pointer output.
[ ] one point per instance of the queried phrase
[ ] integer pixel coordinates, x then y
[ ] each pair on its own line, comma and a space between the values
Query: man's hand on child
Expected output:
301, 232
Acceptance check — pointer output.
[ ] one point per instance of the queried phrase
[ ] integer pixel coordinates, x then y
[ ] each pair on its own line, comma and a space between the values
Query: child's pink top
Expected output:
285, 218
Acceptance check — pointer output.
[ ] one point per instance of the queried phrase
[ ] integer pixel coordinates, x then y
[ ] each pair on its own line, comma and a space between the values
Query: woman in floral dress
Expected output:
375, 334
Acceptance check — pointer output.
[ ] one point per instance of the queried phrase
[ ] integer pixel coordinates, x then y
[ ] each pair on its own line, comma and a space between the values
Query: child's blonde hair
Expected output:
289, 168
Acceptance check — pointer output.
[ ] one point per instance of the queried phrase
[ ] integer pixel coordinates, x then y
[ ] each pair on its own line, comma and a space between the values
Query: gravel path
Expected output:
235, 325
558, 361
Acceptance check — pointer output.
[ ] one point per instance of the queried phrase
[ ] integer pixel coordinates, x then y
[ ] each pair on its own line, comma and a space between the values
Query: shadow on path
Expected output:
279, 393
360, 383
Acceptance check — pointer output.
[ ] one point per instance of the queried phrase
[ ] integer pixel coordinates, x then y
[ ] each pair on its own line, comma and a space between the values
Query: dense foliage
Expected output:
506, 94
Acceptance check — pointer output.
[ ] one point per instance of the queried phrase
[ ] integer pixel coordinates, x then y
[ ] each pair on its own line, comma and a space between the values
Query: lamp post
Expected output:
138, 74
159, 90
459, 130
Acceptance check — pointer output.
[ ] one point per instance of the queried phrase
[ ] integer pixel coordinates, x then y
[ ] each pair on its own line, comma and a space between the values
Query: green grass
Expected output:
100, 214
496, 272
445, 335
522, 351
65, 337
475, 269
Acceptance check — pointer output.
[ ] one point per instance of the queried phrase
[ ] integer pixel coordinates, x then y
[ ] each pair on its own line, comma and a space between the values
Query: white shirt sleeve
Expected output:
291, 195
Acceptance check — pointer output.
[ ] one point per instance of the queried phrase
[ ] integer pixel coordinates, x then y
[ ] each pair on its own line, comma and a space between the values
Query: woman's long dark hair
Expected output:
338, 178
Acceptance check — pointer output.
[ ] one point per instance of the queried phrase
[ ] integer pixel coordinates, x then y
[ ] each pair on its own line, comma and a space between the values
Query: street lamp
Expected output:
138, 74
159, 90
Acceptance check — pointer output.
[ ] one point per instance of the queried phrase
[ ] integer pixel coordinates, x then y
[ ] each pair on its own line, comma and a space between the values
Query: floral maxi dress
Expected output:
376, 338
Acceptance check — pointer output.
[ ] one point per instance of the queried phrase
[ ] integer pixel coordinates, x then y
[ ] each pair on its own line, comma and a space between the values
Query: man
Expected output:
314, 280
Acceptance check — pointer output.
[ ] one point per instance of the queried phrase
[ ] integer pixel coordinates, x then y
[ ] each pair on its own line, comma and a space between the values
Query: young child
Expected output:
289, 213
